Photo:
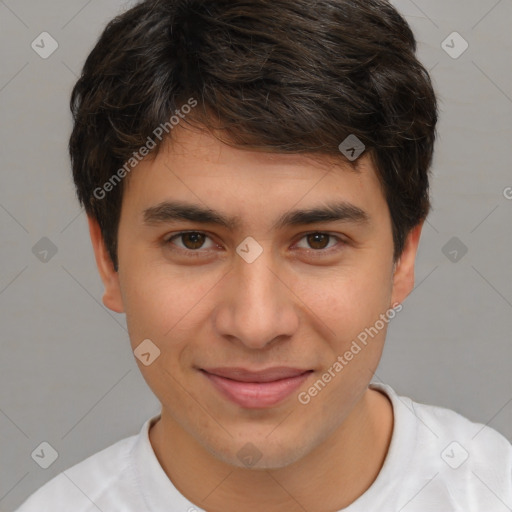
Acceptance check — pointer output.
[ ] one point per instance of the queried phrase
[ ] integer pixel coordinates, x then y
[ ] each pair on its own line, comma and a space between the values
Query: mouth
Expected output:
256, 389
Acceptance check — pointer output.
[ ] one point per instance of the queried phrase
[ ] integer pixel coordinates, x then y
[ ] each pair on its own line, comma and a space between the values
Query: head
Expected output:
239, 108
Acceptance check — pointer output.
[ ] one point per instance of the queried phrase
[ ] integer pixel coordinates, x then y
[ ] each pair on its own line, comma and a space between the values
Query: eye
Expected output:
319, 241
191, 241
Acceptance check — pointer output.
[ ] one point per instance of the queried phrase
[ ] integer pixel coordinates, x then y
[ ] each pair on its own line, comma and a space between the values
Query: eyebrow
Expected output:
169, 211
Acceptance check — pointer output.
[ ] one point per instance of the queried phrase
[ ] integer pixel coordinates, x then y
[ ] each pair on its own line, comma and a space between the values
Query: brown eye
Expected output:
319, 244
193, 240
318, 240
189, 241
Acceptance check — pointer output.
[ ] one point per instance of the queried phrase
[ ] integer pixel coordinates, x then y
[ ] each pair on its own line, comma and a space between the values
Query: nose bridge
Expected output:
258, 286
258, 307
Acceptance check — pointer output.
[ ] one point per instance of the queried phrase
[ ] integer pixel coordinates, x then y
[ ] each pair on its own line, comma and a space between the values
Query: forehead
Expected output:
196, 165
214, 149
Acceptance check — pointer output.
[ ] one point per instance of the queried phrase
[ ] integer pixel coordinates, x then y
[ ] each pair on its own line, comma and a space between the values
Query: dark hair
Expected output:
278, 75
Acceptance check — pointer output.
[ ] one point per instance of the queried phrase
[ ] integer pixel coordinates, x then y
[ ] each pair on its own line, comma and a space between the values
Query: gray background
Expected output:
67, 374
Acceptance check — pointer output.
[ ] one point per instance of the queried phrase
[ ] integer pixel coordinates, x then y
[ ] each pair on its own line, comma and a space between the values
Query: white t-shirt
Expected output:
438, 461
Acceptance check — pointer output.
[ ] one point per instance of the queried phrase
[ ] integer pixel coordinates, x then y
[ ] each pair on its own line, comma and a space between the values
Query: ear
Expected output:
112, 297
403, 278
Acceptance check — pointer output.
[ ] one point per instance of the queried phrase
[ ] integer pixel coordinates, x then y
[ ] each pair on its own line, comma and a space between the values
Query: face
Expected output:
255, 294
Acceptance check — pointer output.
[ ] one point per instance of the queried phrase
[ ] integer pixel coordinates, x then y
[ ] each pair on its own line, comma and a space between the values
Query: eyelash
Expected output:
200, 252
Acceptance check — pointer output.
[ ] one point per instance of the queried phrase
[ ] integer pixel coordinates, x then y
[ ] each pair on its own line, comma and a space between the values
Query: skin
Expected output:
287, 308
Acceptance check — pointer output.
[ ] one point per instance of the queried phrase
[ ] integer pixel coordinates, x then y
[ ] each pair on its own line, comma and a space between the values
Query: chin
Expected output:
259, 455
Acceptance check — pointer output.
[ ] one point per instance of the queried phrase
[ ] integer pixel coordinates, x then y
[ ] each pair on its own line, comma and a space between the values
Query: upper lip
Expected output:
266, 375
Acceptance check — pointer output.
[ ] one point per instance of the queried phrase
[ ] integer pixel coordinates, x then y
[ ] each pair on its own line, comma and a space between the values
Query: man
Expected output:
256, 179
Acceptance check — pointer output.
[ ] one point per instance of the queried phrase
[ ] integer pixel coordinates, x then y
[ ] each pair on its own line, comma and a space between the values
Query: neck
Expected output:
331, 477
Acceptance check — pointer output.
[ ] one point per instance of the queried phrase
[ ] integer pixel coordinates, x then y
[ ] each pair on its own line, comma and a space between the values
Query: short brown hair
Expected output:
278, 75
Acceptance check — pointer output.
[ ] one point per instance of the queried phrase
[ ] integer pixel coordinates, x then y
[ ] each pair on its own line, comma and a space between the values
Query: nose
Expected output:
258, 305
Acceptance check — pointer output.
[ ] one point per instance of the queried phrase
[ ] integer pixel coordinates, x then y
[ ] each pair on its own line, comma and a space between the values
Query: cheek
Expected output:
160, 302
164, 308
357, 311
348, 300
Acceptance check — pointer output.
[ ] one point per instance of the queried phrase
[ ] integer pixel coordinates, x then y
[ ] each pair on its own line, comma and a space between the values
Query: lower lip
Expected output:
257, 395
